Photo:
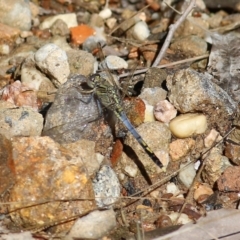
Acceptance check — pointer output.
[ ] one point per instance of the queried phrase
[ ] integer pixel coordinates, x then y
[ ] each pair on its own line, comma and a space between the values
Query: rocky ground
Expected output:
69, 169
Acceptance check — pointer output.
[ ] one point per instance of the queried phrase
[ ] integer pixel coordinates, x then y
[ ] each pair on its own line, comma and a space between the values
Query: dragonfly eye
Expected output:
94, 77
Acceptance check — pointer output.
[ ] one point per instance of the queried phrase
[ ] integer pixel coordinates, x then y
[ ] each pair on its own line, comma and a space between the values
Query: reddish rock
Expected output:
46, 174
80, 33
232, 151
230, 180
180, 148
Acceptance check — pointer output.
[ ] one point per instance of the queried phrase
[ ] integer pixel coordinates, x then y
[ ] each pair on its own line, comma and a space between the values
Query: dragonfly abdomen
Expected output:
122, 116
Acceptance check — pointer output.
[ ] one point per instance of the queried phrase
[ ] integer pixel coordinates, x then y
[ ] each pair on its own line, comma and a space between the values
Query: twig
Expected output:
172, 29
165, 65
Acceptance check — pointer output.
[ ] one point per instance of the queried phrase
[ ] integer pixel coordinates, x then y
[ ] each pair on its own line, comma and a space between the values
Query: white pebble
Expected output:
115, 62
141, 31
105, 13
187, 174
183, 219
131, 171
70, 19
188, 124
148, 114
164, 111
53, 61
172, 188
4, 49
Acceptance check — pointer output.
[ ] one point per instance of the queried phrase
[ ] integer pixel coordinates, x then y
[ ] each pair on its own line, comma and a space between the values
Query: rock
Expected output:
33, 78
22, 121
8, 36
215, 165
105, 13
157, 136
80, 33
85, 150
229, 180
140, 31
172, 188
114, 63
80, 62
190, 91
183, 219
18, 236
187, 174
193, 26
190, 46
46, 170
16, 13
180, 148
232, 151
7, 177
202, 190
126, 166
153, 95
187, 125
74, 116
106, 187
70, 19
59, 27
154, 78
95, 225
20, 95
164, 111
212, 138
53, 61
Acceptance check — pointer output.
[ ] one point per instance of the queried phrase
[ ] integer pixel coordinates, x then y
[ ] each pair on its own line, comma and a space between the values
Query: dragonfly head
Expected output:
94, 80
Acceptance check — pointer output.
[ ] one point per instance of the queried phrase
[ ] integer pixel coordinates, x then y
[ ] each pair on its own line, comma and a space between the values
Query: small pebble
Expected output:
4, 49
93, 226
53, 61
115, 62
187, 175
211, 138
106, 187
172, 188
141, 31
203, 189
188, 124
131, 171
105, 13
165, 111
70, 19
183, 219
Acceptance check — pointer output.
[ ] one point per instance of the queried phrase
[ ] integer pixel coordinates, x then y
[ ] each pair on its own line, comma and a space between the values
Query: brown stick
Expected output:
172, 29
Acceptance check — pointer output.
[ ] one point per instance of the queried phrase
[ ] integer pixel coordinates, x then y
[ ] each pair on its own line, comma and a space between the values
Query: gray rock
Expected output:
80, 62
16, 13
190, 91
106, 187
21, 121
93, 226
53, 61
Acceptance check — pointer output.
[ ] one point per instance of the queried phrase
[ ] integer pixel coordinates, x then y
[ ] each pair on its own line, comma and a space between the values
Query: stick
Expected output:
172, 29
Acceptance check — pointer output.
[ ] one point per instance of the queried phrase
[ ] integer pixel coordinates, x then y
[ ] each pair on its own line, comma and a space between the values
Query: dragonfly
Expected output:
108, 94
